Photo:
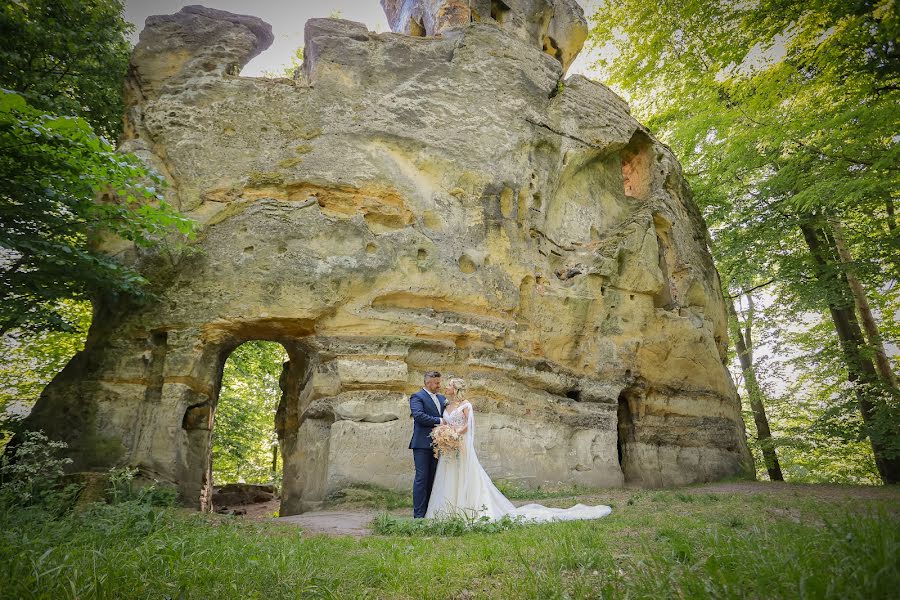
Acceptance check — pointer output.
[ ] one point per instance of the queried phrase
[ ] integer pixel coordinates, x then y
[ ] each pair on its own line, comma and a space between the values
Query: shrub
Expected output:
121, 488
33, 475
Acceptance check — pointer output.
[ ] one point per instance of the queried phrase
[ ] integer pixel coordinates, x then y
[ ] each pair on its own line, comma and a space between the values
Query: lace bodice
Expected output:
457, 418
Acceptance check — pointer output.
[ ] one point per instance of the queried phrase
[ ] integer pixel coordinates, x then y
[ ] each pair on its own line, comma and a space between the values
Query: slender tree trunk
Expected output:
861, 371
892, 229
275, 457
862, 305
892, 220
743, 342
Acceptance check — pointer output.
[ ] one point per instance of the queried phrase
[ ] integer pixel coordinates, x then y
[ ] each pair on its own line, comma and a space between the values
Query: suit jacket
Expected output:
425, 418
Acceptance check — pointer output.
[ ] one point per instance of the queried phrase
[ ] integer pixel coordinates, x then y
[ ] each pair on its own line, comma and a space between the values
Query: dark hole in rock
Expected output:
574, 395
625, 430
197, 417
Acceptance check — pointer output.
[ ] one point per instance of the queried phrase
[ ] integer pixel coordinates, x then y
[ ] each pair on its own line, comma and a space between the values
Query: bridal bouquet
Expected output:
446, 439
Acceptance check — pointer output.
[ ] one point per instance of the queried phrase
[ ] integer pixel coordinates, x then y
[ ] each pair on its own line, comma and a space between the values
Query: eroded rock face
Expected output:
557, 27
403, 204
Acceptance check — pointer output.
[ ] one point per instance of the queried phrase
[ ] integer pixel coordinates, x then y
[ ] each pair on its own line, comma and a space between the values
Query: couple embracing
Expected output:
457, 483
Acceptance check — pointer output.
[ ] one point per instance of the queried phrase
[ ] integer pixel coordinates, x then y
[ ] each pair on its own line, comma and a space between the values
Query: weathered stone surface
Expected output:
557, 27
405, 204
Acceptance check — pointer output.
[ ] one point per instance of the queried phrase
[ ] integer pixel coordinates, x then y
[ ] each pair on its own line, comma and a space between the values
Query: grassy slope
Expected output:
682, 544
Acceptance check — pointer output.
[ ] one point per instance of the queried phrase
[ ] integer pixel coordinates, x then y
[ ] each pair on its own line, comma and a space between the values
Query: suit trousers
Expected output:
426, 467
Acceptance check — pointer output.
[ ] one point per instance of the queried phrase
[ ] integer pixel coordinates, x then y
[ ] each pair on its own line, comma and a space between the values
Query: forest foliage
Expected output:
784, 115
63, 186
245, 445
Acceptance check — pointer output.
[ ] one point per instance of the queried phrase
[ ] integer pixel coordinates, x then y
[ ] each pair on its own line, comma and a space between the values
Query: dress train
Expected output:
461, 485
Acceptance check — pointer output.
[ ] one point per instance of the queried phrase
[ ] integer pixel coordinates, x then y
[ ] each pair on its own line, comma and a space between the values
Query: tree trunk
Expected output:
862, 305
275, 457
860, 370
744, 346
892, 220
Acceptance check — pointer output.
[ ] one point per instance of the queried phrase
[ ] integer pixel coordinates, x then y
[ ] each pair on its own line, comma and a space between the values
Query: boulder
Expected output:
239, 494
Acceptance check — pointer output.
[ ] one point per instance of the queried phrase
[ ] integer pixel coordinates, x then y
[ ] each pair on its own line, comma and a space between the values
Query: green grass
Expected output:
460, 524
676, 544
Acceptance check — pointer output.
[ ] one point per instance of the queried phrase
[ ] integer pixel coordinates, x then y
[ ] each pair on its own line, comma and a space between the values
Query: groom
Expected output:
426, 407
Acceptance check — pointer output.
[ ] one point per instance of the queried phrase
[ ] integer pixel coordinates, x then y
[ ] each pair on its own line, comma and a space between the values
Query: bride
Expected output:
461, 485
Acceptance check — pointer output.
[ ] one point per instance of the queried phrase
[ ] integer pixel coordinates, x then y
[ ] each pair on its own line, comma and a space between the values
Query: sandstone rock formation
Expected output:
407, 203
557, 26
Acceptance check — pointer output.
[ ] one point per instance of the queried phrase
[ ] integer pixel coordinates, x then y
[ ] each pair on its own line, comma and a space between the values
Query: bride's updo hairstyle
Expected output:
459, 385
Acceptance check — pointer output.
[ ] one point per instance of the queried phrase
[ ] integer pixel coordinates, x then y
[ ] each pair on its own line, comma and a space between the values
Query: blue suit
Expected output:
426, 417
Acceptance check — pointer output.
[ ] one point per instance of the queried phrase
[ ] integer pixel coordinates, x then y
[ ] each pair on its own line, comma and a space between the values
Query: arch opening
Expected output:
245, 432
244, 445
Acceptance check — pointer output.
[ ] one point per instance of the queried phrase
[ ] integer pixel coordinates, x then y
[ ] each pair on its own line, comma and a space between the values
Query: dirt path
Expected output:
355, 521
332, 522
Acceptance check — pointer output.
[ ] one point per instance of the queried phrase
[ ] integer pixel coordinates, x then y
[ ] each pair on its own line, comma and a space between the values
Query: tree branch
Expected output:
747, 291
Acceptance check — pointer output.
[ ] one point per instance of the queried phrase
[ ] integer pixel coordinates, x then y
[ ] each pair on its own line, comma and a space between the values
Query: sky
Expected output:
288, 17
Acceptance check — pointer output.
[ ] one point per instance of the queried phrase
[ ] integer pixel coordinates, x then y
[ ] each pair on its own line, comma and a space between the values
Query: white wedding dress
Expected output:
461, 486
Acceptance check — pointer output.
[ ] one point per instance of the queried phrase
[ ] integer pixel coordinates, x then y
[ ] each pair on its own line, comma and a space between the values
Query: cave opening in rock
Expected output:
625, 419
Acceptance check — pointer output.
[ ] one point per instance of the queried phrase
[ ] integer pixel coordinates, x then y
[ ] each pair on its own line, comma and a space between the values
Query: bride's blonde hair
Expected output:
459, 385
